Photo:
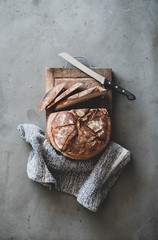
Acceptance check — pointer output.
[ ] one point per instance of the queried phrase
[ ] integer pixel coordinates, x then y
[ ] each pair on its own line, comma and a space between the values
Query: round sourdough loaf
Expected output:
80, 133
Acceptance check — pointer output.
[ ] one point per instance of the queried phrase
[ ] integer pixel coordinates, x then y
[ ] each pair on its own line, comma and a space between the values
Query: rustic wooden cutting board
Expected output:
70, 76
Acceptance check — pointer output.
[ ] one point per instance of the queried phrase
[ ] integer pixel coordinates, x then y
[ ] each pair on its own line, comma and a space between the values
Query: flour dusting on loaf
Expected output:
79, 133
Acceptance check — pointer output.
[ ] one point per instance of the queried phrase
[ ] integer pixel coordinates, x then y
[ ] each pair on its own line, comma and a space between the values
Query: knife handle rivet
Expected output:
116, 86
123, 90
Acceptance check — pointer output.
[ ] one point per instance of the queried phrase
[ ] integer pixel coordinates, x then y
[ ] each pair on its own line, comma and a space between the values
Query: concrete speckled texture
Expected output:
119, 34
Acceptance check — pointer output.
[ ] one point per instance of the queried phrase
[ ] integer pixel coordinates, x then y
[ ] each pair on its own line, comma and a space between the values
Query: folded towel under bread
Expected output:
89, 180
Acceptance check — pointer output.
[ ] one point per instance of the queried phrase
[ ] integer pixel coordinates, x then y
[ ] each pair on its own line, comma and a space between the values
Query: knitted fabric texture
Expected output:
89, 181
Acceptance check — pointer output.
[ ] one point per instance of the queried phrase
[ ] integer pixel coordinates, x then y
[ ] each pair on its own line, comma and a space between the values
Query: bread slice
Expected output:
65, 93
50, 96
80, 97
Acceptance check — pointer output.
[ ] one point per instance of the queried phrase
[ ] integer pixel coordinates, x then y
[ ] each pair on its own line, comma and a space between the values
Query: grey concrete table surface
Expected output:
119, 34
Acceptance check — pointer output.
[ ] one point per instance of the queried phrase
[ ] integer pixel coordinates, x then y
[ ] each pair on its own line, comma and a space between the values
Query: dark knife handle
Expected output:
129, 95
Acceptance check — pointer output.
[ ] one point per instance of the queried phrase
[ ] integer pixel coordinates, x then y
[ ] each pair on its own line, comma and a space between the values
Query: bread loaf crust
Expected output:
79, 133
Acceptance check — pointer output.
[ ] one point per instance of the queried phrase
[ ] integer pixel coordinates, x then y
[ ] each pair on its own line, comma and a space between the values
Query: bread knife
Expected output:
96, 76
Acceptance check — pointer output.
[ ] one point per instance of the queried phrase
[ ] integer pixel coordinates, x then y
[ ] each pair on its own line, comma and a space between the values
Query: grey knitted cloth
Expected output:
89, 180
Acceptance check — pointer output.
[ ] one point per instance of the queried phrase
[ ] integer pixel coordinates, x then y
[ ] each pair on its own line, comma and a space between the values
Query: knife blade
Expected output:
96, 76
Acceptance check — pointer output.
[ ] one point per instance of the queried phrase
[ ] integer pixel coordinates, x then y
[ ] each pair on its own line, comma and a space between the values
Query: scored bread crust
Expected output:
79, 133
